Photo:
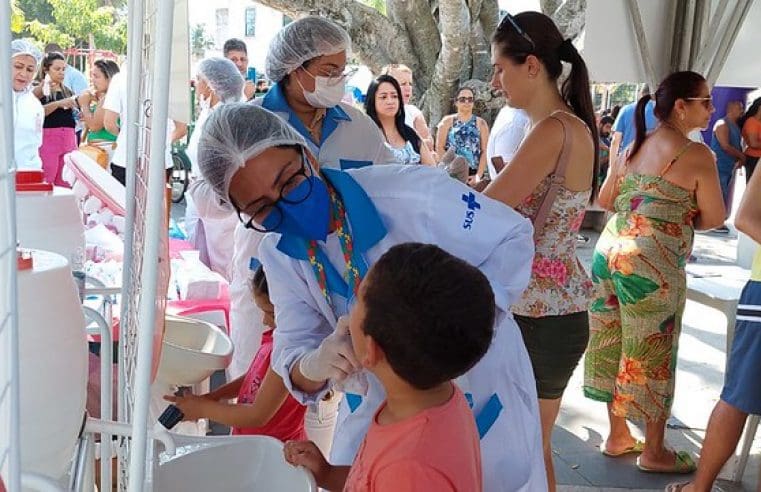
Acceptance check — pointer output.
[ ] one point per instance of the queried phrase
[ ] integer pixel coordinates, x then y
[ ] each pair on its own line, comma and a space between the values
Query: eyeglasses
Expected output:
707, 102
337, 77
248, 216
465, 99
511, 20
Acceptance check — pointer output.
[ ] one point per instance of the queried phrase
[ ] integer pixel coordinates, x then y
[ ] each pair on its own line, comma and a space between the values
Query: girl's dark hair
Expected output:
109, 68
614, 112
678, 85
47, 61
751, 112
405, 131
259, 283
541, 38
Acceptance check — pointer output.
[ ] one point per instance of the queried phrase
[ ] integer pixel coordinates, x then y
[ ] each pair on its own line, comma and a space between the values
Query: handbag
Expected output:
557, 179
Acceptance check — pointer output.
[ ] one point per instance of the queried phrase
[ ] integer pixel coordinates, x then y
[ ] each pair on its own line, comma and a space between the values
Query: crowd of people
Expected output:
324, 218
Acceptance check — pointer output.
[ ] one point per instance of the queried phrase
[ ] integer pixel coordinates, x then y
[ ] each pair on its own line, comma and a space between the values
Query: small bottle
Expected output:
46, 86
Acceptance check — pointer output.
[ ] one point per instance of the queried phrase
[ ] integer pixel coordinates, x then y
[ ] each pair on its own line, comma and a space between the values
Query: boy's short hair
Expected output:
431, 313
259, 285
234, 44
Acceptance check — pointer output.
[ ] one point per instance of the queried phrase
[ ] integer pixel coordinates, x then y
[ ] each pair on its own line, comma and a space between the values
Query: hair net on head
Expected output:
23, 47
223, 77
235, 133
301, 41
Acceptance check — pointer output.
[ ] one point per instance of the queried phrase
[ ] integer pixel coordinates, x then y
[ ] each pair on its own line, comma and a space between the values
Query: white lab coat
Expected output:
509, 129
354, 142
203, 205
425, 205
28, 117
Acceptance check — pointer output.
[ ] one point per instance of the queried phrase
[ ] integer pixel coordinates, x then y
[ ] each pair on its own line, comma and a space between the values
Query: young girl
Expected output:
264, 406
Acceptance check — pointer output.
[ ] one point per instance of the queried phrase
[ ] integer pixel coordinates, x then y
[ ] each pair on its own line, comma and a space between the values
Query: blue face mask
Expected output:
309, 219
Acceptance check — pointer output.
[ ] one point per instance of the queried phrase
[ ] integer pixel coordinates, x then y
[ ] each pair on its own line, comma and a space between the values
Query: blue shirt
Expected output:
75, 80
724, 160
626, 125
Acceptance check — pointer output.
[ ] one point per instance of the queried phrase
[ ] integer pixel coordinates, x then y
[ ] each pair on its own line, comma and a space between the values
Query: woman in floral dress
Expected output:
528, 56
663, 188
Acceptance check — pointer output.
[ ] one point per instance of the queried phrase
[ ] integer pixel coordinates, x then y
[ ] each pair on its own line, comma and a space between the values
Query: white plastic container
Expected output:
53, 365
51, 222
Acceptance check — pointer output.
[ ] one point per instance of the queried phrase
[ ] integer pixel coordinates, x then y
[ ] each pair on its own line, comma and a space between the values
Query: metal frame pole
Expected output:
153, 231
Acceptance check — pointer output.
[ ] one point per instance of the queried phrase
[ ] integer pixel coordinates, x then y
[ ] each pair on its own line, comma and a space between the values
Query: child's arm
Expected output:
227, 391
308, 455
270, 397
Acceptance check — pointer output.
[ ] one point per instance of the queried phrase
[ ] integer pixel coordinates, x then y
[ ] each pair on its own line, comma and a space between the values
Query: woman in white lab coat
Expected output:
210, 227
330, 226
28, 114
306, 62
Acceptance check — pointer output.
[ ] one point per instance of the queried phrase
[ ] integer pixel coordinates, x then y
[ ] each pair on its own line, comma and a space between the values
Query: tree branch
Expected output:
453, 14
377, 40
569, 15
417, 18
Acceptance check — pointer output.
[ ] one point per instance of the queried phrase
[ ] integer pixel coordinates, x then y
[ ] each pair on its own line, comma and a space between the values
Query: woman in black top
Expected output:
59, 137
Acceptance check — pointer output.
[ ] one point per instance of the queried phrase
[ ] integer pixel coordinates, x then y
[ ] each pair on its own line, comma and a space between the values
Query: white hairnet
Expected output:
235, 133
23, 47
301, 41
223, 77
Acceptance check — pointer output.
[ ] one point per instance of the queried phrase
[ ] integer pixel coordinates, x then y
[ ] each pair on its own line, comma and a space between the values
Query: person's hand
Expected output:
65, 103
473, 180
191, 406
334, 359
308, 455
741, 162
249, 89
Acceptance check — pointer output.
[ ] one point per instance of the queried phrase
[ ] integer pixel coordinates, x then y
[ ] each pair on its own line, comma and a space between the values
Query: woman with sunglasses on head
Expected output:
661, 190
384, 105
328, 227
550, 179
466, 133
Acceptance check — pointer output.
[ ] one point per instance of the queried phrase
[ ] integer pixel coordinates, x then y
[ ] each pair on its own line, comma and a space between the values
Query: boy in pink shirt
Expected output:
422, 318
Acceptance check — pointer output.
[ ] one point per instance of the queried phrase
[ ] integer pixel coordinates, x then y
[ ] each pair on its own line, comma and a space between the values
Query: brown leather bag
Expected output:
557, 179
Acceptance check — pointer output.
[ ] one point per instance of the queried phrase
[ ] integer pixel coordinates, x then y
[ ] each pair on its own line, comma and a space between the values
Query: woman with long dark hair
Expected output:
750, 123
384, 105
664, 188
91, 101
550, 180
58, 135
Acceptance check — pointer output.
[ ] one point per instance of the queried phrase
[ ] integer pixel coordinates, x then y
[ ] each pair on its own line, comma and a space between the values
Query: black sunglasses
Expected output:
511, 20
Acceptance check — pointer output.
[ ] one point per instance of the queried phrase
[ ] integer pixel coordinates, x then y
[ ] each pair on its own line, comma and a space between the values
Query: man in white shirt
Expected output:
115, 106
507, 134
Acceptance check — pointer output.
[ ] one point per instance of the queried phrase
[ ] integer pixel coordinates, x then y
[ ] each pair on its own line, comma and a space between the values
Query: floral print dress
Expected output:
558, 285
465, 138
638, 270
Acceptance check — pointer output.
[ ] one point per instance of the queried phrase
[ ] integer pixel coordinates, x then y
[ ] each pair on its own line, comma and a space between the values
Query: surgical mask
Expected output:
328, 91
309, 218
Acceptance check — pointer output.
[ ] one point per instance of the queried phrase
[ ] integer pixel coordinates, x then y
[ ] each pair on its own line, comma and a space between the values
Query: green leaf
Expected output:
600, 269
632, 288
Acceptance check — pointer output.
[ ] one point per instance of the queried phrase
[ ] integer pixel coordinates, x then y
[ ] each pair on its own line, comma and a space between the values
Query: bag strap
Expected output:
557, 179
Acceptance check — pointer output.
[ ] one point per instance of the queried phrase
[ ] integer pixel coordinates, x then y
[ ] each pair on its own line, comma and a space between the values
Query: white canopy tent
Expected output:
717, 38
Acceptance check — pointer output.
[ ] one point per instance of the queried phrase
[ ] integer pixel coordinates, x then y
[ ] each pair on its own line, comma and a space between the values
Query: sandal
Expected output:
637, 447
676, 486
683, 464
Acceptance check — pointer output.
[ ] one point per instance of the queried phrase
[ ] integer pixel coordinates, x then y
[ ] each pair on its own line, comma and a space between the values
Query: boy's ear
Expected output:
373, 353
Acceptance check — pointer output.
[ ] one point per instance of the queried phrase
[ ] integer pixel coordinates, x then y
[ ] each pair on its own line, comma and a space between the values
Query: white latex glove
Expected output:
334, 359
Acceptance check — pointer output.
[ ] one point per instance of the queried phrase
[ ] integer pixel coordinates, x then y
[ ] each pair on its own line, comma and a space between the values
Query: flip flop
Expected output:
683, 464
637, 447
676, 486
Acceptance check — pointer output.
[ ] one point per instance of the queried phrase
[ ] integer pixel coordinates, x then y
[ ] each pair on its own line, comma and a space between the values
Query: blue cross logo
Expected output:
470, 199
